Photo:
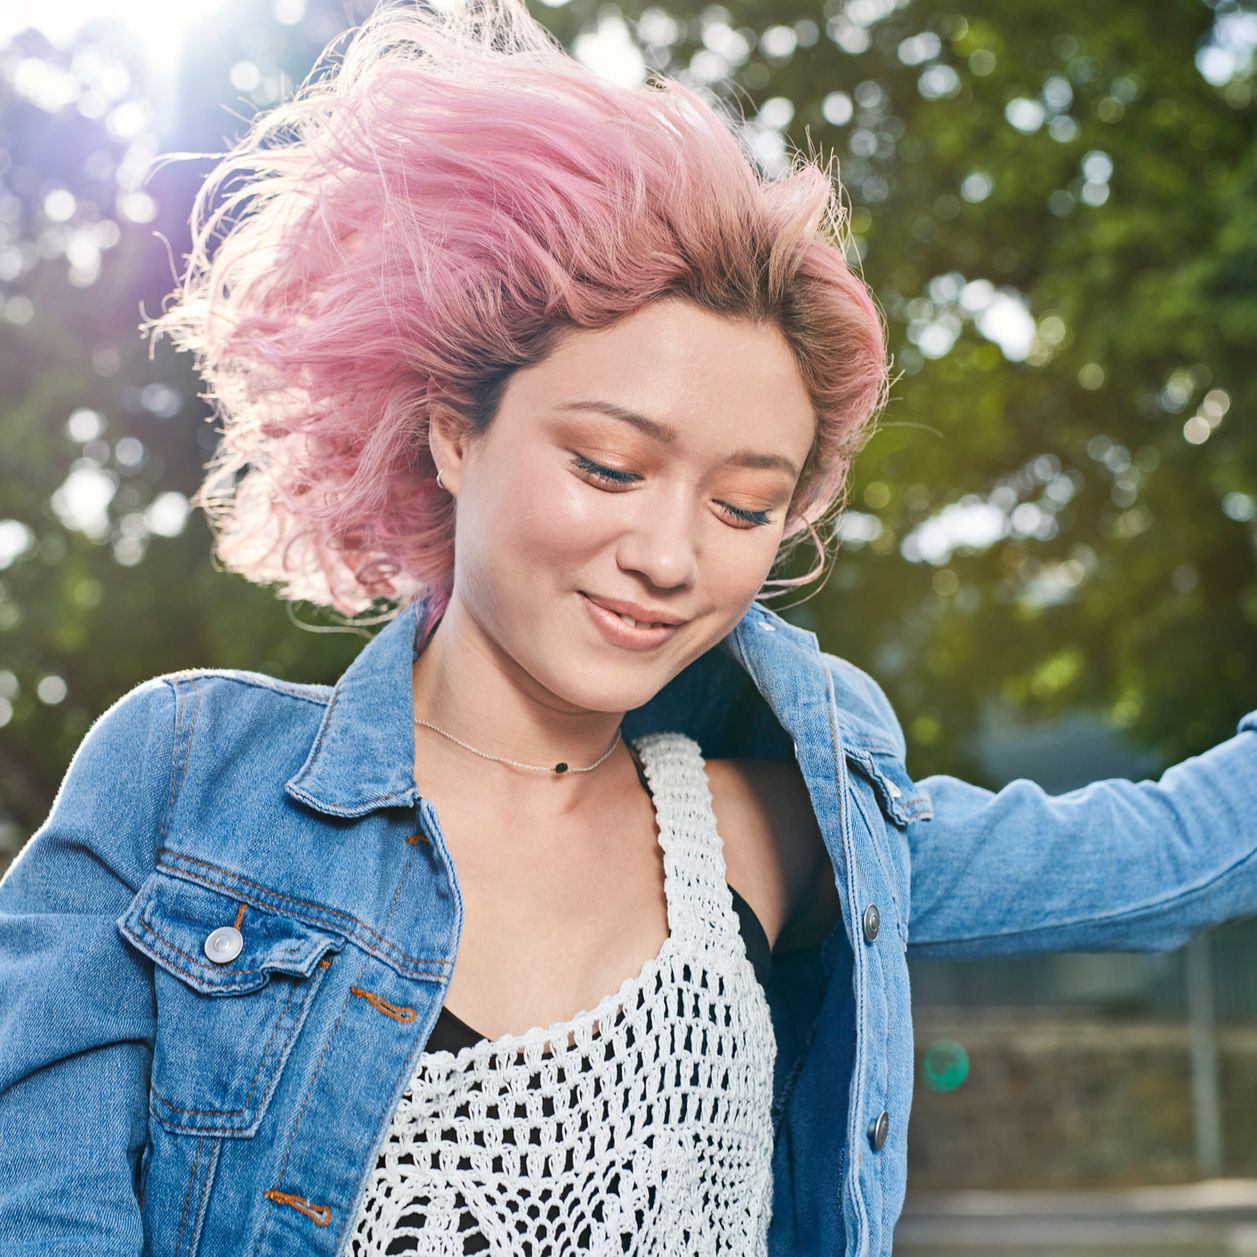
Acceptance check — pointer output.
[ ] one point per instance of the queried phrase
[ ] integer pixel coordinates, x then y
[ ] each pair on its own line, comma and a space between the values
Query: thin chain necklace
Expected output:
560, 767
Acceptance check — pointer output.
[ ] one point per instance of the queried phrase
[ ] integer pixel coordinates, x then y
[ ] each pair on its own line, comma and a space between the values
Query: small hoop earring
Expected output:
439, 480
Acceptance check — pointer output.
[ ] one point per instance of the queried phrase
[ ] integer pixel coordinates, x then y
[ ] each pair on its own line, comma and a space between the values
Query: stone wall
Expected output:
1068, 1100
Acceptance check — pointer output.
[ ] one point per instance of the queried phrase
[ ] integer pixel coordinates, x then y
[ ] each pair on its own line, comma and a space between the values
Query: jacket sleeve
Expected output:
1115, 865
77, 1008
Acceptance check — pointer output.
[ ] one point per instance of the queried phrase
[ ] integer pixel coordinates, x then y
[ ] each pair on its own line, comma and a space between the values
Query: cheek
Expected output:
734, 572
559, 515
531, 513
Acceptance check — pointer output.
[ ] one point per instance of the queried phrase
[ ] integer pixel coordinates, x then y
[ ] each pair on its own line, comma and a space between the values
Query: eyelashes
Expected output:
611, 476
604, 473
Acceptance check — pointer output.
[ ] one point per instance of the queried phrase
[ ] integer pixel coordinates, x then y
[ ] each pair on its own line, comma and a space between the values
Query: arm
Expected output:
76, 1004
1116, 865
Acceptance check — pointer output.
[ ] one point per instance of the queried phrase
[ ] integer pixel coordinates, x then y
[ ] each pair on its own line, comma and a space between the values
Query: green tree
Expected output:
1053, 203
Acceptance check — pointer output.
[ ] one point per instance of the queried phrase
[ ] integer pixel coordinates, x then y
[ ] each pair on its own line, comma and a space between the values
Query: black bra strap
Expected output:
641, 770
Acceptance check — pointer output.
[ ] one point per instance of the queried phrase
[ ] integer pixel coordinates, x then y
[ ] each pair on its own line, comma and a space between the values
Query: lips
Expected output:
628, 619
619, 632
631, 612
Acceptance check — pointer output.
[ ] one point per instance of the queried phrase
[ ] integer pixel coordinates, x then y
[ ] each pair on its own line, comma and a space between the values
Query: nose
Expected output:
658, 541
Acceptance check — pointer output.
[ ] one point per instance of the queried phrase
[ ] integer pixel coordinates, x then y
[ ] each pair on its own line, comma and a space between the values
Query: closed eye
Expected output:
605, 473
610, 476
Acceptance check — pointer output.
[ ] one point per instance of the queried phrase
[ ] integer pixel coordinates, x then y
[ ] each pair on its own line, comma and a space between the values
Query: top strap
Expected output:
700, 904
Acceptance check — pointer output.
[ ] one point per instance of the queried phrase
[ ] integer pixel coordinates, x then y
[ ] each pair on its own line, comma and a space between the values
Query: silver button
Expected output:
224, 944
879, 1129
872, 922
895, 792
771, 628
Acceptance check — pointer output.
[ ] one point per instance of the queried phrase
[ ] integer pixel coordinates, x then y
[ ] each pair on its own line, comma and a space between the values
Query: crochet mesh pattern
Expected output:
641, 1125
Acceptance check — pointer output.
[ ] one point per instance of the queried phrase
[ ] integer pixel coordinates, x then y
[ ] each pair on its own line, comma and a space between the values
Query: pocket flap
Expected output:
900, 797
170, 918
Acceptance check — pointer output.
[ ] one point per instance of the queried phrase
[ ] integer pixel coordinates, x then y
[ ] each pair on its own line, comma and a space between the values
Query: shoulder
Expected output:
227, 704
113, 795
191, 722
186, 704
171, 690
140, 719
222, 682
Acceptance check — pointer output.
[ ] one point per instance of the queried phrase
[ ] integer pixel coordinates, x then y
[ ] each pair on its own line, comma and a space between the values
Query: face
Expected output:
681, 512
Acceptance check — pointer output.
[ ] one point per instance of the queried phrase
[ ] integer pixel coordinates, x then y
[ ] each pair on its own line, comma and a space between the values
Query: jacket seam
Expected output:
163, 821
859, 1090
273, 685
350, 1215
198, 1223
187, 1197
877, 849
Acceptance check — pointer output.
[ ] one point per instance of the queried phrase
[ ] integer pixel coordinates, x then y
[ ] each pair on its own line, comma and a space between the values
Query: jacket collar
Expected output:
744, 696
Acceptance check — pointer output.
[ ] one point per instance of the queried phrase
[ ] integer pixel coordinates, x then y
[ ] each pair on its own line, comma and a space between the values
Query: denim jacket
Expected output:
223, 952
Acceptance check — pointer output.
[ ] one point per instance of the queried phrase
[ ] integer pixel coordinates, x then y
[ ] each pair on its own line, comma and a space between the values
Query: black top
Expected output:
451, 1033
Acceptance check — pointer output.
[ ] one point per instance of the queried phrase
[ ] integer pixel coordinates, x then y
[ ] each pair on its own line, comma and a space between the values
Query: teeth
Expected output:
628, 619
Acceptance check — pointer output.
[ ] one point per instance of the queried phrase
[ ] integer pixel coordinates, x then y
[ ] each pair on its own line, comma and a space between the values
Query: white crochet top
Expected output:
651, 1137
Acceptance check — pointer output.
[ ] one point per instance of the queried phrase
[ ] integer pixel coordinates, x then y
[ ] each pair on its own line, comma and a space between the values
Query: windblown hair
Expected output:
431, 215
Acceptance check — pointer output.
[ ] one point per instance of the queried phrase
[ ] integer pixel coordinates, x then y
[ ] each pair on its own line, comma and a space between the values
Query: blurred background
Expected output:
1055, 521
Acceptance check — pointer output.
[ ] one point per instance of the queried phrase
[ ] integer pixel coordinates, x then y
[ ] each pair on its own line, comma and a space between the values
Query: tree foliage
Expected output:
1053, 202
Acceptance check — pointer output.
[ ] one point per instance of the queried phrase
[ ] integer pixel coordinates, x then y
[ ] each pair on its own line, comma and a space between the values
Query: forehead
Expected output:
701, 371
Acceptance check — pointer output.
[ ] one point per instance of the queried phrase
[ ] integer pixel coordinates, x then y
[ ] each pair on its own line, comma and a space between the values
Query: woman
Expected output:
574, 917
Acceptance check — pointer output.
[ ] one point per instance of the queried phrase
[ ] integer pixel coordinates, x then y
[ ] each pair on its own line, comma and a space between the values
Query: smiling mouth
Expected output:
621, 630
628, 619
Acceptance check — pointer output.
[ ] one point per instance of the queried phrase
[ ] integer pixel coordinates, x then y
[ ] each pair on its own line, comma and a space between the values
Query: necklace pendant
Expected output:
560, 767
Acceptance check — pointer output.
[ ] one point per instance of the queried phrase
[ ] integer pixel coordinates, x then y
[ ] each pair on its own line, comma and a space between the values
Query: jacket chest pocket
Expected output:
886, 800
233, 984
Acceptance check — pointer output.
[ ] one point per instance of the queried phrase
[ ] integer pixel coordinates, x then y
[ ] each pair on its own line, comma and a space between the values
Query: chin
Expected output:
596, 690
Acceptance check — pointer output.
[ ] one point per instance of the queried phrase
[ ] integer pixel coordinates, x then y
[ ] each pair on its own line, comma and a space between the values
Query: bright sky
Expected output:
157, 21
159, 24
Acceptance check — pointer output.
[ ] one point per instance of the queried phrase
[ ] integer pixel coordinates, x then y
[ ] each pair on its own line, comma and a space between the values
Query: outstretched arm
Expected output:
1116, 865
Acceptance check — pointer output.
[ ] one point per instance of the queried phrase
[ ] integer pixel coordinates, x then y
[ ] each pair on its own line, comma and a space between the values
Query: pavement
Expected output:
1214, 1218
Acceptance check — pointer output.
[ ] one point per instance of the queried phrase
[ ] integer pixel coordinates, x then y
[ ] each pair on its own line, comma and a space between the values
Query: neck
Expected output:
463, 683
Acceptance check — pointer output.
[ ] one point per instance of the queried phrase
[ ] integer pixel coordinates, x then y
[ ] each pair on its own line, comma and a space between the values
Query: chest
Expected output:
556, 916
552, 918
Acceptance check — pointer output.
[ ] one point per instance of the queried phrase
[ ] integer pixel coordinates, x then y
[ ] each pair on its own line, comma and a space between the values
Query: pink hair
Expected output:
432, 216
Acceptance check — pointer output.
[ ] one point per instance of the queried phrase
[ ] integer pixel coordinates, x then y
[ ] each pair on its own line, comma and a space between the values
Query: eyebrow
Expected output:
669, 435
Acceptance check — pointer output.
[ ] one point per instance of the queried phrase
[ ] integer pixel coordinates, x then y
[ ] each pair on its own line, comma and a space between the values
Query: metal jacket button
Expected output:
879, 1129
224, 944
872, 922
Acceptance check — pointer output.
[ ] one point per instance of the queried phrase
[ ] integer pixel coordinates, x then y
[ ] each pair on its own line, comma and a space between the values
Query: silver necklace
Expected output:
560, 767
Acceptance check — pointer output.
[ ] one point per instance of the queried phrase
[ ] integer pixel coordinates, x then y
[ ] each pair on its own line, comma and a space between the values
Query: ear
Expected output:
449, 438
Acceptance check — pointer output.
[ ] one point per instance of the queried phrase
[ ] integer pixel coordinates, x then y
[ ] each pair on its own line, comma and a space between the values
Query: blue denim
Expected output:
153, 1100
